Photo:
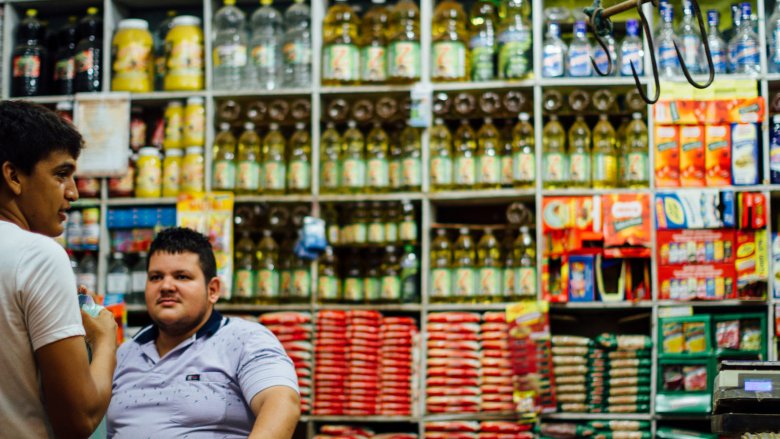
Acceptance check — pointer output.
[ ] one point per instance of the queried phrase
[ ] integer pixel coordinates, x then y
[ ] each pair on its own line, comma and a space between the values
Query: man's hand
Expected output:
100, 330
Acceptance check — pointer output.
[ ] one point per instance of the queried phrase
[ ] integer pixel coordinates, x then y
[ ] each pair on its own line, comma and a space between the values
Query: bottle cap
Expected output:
173, 152
134, 23
32, 13
186, 20
300, 125
525, 117
92, 10
352, 124
195, 100
632, 28
249, 126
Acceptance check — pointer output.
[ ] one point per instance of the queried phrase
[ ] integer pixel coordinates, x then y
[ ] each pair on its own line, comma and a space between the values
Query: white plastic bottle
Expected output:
230, 47
264, 69
297, 46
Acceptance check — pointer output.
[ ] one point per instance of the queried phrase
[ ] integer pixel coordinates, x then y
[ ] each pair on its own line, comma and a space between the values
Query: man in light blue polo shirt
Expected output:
194, 373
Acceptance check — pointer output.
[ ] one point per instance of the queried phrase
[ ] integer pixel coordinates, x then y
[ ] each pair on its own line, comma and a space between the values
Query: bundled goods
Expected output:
595, 429
362, 375
531, 357
477, 430
352, 432
330, 355
497, 381
608, 374
397, 360
294, 331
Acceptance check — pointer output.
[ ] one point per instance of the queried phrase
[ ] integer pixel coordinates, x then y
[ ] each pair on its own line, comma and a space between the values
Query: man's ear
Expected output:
10, 177
214, 289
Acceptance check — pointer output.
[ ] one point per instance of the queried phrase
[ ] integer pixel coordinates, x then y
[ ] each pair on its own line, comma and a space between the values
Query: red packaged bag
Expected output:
452, 426
498, 380
452, 409
303, 373
493, 389
494, 317
495, 344
498, 407
333, 314
368, 314
284, 317
297, 336
451, 381
450, 372
406, 335
456, 345
454, 327
399, 321
496, 362
456, 363
454, 317
453, 400
497, 397
494, 327
496, 353
496, 371
454, 336
304, 382
453, 391
495, 335
298, 346
357, 356
391, 362
450, 435
299, 355
452, 353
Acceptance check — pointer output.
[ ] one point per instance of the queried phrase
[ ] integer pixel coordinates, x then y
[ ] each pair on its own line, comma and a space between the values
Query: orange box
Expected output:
667, 156
692, 156
717, 155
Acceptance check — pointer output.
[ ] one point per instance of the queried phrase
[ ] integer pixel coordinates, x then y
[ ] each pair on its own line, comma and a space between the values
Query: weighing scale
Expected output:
746, 400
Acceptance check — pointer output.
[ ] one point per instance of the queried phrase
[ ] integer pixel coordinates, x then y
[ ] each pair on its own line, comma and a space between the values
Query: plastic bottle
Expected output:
274, 164
376, 227
65, 59
554, 53
403, 51
464, 277
353, 162
632, 51
173, 118
268, 286
449, 55
509, 280
692, 49
330, 169
340, 53
772, 36
407, 227
193, 128
377, 178
634, 172
489, 278
299, 173
265, 65
743, 48
29, 70
580, 52
118, 279
132, 67
328, 288
605, 154
668, 63
488, 160
525, 255
171, 172
523, 153
230, 47
718, 47
465, 159
89, 53
441, 267
514, 42
441, 156
137, 279
390, 287
411, 167
579, 154
555, 162
396, 158
482, 45
248, 160
184, 55
736, 18
372, 278
600, 56
160, 33
245, 282
410, 275
352, 285
297, 46
391, 218
373, 50
87, 274
223, 175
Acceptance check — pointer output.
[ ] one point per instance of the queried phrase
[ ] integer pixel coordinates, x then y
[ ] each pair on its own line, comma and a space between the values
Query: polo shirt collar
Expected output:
208, 329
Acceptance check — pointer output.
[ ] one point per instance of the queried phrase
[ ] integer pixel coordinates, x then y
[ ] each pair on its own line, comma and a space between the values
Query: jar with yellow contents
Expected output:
172, 172
194, 122
193, 169
132, 53
173, 119
148, 181
184, 55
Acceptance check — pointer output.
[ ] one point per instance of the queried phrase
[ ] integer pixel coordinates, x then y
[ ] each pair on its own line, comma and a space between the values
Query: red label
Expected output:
28, 66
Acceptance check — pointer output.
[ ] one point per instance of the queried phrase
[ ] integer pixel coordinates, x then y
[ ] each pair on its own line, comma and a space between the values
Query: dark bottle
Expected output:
363, 110
489, 103
278, 110
65, 58
465, 103
441, 104
579, 101
514, 101
89, 53
30, 58
338, 110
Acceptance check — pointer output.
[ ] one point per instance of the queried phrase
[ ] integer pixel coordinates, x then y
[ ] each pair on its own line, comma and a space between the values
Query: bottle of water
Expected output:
743, 48
772, 34
553, 53
691, 48
668, 64
297, 46
580, 52
632, 51
736, 18
600, 56
230, 47
716, 42
265, 64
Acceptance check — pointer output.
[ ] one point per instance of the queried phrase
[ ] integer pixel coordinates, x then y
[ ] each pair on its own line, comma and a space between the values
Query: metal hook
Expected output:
703, 32
595, 17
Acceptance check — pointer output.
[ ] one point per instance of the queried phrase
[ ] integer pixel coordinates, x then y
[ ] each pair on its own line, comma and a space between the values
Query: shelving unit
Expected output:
429, 201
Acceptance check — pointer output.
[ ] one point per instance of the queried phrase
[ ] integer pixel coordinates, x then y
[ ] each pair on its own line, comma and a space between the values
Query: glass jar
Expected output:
184, 55
194, 122
132, 53
171, 175
173, 119
148, 182
192, 170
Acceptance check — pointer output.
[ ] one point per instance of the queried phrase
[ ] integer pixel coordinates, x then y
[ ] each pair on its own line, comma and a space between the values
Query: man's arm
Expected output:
276, 410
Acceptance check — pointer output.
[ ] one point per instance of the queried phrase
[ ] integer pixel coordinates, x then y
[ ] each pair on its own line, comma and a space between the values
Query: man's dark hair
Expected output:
178, 240
30, 132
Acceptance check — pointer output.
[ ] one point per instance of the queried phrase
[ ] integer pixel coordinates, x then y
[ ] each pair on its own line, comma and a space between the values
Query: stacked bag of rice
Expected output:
397, 366
477, 430
294, 330
352, 432
330, 353
595, 430
497, 381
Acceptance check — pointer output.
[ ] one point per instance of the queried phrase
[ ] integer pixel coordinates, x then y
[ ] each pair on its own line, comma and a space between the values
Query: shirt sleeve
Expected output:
48, 292
264, 363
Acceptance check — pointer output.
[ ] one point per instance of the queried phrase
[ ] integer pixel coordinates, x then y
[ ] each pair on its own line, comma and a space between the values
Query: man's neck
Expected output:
11, 213
167, 342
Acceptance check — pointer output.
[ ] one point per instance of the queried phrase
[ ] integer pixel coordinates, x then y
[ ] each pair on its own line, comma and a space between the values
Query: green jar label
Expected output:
635, 169
482, 64
300, 175
373, 64
556, 167
509, 282
353, 289
524, 167
489, 169
465, 171
441, 282
448, 60
410, 172
267, 283
394, 174
391, 232
408, 231
224, 174
248, 175
245, 283
327, 288
340, 62
465, 282
273, 176
301, 283
378, 173
330, 175
507, 173
489, 282
441, 171
526, 280
391, 288
353, 173
605, 168
371, 288
579, 167
376, 233
404, 59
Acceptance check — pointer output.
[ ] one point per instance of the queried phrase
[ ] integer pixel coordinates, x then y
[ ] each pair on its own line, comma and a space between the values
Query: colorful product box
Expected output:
776, 267
578, 213
714, 111
627, 220
679, 112
692, 156
689, 282
677, 247
744, 154
752, 210
700, 209
667, 156
717, 156
752, 263
581, 269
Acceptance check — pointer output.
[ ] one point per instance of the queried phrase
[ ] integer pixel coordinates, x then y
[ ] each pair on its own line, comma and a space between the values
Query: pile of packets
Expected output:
294, 330
610, 374
477, 430
596, 429
351, 432
469, 368
364, 364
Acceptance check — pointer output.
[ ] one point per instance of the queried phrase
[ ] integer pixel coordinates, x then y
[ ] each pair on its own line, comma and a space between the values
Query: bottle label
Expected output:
273, 176
489, 282
173, 128
192, 174
526, 278
635, 169
632, 54
509, 282
299, 175
463, 278
441, 171
373, 65
525, 167
185, 58
85, 60
667, 56
359, 233
264, 56
441, 282
341, 62
327, 288
605, 168
465, 171
248, 175
346, 235
410, 175
482, 64
267, 283
353, 173
600, 56
333, 233
555, 167
579, 169
133, 58
579, 62
506, 169
64, 70
553, 62
513, 59
224, 174
408, 231
718, 59
230, 55
194, 124
330, 174
285, 283
746, 53
117, 283
297, 53
404, 59
149, 179
27, 66
245, 283
391, 288
378, 173
394, 173
353, 289
489, 169
376, 233
391, 232
371, 289
301, 283
449, 60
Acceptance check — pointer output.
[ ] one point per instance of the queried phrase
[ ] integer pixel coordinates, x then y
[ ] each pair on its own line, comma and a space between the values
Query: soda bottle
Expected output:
353, 162
410, 275
353, 284
580, 52
465, 156
89, 53
514, 42
223, 177
482, 45
488, 160
299, 174
330, 169
340, 53
441, 267
390, 287
245, 282
448, 52
632, 51
464, 272
605, 155
328, 289
489, 256
525, 255
376, 155
248, 158
373, 52
441, 156
411, 169
403, 51
65, 59
554, 53
635, 171
718, 48
296, 46
230, 47
118, 279
265, 63
523, 153
579, 154
274, 165
30, 58
555, 162
268, 288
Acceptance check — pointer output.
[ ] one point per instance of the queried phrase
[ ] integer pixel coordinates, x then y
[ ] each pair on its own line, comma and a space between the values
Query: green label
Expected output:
404, 59
635, 169
359, 233
371, 288
524, 167
299, 176
441, 282
267, 283
604, 167
579, 166
376, 233
489, 282
441, 171
273, 176
526, 280
391, 288
410, 172
245, 283
341, 62
513, 60
465, 171
509, 282
330, 174
489, 169
328, 288
395, 173
391, 232
555, 167
224, 174
353, 289
248, 175
482, 64
465, 282
353, 173
449, 60
378, 173
373, 64
301, 283
408, 231
264, 56
507, 173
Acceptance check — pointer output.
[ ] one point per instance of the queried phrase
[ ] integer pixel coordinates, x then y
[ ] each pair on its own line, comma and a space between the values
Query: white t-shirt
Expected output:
38, 306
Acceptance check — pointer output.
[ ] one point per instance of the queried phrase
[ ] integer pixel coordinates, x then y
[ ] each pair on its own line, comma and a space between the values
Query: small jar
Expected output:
148, 182
123, 186
194, 122
173, 121
184, 55
172, 172
192, 170
132, 53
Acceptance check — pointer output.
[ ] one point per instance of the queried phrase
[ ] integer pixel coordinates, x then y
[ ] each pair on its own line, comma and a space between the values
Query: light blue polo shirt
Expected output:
200, 389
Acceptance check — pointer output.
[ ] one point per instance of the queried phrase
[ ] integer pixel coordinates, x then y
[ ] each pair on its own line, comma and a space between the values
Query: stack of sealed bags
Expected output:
397, 364
330, 356
294, 331
595, 429
350, 432
610, 374
363, 353
497, 383
477, 430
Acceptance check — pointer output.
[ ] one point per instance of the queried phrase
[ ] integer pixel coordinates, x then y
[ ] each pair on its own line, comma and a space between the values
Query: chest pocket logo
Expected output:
200, 399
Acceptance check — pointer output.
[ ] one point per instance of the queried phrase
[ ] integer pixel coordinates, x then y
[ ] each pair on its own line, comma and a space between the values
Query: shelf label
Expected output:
675, 311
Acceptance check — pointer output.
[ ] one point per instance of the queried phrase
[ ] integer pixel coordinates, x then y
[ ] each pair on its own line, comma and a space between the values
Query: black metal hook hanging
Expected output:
704, 40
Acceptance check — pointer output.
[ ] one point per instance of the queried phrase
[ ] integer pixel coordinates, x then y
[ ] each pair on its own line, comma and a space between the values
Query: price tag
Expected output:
104, 122
676, 311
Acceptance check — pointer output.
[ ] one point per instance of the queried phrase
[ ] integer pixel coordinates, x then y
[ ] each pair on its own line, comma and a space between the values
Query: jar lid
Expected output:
194, 150
148, 151
195, 100
186, 20
174, 152
174, 104
134, 23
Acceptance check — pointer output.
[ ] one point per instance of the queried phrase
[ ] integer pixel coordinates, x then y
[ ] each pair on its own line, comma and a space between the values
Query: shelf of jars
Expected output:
365, 89
483, 85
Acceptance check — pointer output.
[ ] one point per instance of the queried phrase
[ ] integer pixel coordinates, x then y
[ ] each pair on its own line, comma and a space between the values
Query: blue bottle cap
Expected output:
667, 13
632, 28
746, 11
580, 27
713, 18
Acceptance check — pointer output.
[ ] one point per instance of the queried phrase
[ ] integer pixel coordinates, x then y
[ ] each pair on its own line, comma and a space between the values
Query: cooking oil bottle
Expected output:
441, 156
489, 256
300, 288
441, 267
605, 155
353, 160
274, 166
330, 169
372, 278
360, 225
555, 162
463, 271
634, 173
328, 288
514, 42
523, 154
525, 258
299, 173
373, 51
390, 287
246, 269
449, 60
332, 231
223, 176
482, 46
248, 158
465, 156
396, 160
403, 50
411, 169
340, 53
378, 173
509, 279
488, 156
352, 286
579, 154
268, 288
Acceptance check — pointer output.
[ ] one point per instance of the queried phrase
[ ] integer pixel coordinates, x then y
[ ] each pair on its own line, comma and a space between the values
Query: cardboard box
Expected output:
581, 285
579, 213
627, 220
717, 156
752, 210
692, 156
705, 282
699, 209
752, 263
667, 156
745, 156
680, 247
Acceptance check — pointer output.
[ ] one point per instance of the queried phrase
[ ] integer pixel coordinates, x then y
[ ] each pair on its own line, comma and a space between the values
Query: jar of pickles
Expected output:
173, 119
194, 122
132, 53
184, 55
193, 170
171, 172
148, 182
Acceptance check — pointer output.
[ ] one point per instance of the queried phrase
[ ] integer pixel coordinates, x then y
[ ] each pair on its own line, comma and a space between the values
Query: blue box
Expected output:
581, 285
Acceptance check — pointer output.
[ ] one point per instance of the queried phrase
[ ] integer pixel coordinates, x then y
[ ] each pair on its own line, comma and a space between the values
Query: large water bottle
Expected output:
632, 51
230, 47
717, 44
580, 52
553, 53
743, 48
265, 64
692, 48
668, 63
297, 46
772, 34
600, 56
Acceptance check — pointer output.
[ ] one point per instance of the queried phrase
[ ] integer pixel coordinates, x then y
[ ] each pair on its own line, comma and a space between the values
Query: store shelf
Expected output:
86, 202
471, 417
390, 196
266, 307
646, 304
365, 89
483, 196
141, 201
598, 416
591, 191
468, 306
248, 93
748, 188
771, 77
486, 85
712, 303
593, 81
157, 96
45, 99
273, 198
364, 419
405, 307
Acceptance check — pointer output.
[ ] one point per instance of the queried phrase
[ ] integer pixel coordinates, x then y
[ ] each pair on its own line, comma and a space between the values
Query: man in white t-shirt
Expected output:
48, 388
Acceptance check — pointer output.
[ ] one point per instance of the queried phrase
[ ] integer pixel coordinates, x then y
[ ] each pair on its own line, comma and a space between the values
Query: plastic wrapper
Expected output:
624, 342
695, 337
750, 339
570, 340
673, 338
727, 334
620, 425
695, 378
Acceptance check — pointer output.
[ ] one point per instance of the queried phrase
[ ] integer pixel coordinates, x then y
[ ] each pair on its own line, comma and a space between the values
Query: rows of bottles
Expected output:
371, 224
81, 239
